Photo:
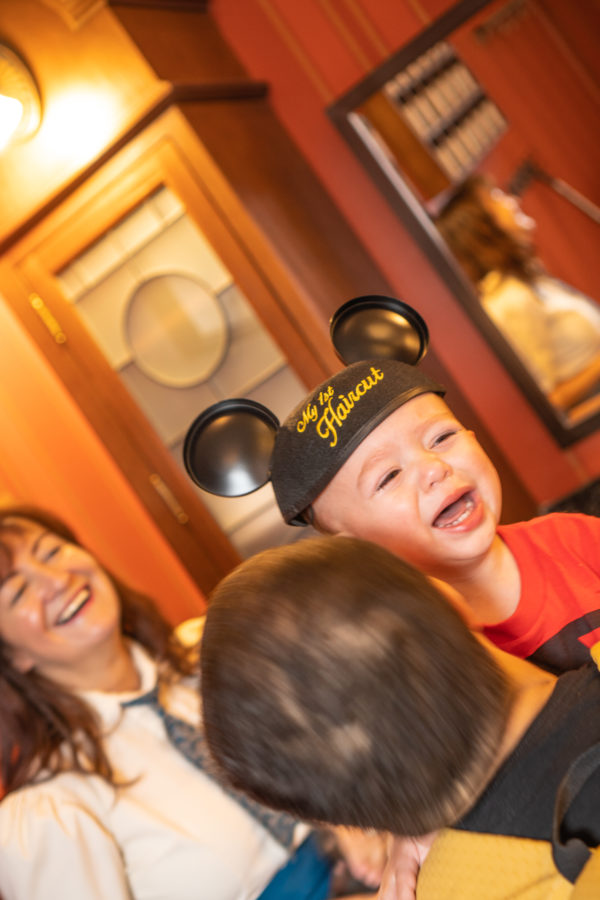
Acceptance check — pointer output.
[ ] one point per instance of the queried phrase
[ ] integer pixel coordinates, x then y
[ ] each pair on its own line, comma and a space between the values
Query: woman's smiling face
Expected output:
57, 605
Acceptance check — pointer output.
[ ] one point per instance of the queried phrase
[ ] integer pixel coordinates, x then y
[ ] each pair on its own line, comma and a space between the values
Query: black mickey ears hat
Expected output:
236, 446
322, 433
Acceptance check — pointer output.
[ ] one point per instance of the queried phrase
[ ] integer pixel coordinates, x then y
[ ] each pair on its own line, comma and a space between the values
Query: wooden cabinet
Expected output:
164, 157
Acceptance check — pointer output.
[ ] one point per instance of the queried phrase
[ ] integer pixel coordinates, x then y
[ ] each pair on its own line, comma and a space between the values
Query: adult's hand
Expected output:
364, 852
405, 858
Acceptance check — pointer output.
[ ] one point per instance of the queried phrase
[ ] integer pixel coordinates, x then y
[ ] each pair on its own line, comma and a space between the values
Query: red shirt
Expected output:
558, 615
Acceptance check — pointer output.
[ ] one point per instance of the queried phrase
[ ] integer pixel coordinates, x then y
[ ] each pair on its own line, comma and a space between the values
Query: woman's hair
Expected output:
340, 685
44, 728
479, 243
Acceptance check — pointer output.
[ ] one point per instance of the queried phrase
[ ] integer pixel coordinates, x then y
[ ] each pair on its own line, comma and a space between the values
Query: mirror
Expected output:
496, 101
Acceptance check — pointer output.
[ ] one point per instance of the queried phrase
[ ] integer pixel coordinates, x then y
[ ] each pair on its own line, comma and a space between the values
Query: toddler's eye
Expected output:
444, 436
51, 552
387, 478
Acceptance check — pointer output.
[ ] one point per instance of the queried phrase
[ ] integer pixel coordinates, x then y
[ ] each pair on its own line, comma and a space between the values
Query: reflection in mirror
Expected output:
552, 327
457, 130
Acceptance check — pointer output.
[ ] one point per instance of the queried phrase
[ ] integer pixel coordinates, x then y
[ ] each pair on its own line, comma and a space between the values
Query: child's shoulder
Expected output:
560, 529
553, 522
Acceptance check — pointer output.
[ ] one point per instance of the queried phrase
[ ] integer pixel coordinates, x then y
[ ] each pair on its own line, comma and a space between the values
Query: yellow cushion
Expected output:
462, 865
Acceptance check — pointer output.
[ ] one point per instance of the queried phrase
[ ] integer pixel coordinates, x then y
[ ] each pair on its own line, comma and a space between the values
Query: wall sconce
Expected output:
20, 104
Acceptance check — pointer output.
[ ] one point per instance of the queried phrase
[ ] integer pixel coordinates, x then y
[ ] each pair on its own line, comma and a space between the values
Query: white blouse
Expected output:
173, 834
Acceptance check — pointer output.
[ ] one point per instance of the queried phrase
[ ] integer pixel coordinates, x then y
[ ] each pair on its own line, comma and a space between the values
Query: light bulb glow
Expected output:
77, 124
20, 108
11, 113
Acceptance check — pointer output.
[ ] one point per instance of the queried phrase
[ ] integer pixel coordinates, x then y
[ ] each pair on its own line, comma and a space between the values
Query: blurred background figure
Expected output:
554, 328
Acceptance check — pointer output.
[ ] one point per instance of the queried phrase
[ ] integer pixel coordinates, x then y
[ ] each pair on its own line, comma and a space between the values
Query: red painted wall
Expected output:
313, 52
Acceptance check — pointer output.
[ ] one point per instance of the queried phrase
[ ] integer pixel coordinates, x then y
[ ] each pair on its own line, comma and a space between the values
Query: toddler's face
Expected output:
420, 485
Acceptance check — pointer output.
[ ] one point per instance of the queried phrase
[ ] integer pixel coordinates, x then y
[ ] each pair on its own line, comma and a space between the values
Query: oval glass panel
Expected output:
176, 329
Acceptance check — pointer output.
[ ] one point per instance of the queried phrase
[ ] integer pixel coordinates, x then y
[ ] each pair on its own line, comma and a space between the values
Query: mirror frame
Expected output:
421, 227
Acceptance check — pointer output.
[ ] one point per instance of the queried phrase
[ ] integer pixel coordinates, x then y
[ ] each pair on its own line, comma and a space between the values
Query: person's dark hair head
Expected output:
37, 715
317, 438
479, 242
340, 685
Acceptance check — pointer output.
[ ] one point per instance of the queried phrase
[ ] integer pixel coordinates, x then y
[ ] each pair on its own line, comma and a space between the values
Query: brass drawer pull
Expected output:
165, 492
47, 318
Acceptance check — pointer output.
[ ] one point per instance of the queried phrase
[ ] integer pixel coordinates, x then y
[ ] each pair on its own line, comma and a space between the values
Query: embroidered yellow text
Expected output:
337, 409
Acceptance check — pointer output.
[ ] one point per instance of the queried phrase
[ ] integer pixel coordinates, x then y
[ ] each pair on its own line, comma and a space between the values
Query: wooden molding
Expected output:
170, 97
74, 12
172, 5
221, 90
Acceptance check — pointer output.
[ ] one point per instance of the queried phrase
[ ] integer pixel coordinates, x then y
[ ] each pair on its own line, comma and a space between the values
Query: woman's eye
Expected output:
389, 476
48, 549
13, 588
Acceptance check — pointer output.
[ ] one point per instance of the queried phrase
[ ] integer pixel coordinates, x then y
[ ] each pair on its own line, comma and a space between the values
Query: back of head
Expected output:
317, 438
477, 240
340, 685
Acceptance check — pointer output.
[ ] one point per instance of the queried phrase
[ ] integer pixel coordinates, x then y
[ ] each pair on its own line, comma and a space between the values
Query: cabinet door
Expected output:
151, 304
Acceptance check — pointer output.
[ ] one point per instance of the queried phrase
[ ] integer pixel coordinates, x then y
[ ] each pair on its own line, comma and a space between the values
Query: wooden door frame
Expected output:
166, 153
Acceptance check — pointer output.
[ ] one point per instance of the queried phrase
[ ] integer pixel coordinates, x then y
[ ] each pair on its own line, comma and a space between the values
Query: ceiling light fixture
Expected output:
20, 104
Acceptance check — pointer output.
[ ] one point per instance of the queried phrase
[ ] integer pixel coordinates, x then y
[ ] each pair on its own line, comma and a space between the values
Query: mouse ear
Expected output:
377, 327
227, 448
